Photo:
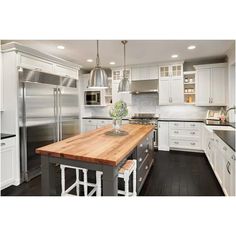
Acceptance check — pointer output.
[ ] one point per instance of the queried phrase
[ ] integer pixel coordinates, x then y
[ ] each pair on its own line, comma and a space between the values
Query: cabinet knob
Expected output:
140, 159
146, 167
193, 143
141, 145
176, 132
192, 132
3, 144
140, 179
176, 142
233, 157
146, 150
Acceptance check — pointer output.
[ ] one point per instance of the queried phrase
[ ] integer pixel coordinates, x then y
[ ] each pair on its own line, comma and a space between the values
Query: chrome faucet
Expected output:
231, 108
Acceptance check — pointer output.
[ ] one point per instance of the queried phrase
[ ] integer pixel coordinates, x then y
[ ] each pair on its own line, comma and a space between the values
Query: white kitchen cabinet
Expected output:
92, 124
171, 88
34, 63
9, 163
185, 135
1, 83
163, 136
211, 84
145, 73
65, 71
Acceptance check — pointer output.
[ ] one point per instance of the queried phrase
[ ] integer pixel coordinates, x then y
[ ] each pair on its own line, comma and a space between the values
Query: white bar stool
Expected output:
96, 186
125, 171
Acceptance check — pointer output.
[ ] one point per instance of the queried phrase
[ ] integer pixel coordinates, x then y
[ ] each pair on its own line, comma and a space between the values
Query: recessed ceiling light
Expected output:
112, 63
191, 47
174, 56
60, 47
89, 60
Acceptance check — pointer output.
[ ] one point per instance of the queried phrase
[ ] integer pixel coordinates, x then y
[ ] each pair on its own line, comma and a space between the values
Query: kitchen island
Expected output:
95, 150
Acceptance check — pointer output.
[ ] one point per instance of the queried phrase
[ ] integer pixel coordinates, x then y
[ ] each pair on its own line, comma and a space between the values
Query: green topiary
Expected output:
119, 110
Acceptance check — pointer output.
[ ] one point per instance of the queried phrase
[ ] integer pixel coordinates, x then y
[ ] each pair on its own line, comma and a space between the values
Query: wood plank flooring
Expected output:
173, 174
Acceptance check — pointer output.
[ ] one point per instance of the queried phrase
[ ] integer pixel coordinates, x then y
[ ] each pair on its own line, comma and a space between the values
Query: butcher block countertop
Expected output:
97, 147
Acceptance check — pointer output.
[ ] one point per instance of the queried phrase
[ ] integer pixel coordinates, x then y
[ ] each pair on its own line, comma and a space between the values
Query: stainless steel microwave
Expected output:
92, 97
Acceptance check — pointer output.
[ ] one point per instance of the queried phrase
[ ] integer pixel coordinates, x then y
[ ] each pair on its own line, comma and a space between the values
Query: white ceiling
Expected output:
138, 51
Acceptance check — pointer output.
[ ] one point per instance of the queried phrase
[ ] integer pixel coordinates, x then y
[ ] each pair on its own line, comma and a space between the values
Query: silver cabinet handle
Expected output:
176, 132
193, 125
193, 143
140, 159
89, 121
209, 145
192, 132
176, 124
146, 167
140, 179
176, 142
227, 166
3, 144
141, 145
146, 150
209, 100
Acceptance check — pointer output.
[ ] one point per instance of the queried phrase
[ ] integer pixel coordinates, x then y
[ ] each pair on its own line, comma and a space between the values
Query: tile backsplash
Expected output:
148, 103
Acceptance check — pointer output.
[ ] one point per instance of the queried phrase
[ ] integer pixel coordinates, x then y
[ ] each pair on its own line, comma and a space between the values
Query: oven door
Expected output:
92, 97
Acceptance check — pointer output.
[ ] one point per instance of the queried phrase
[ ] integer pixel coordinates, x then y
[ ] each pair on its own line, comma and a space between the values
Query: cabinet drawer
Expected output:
89, 122
66, 71
104, 122
35, 63
8, 142
185, 133
142, 172
176, 124
145, 146
188, 144
192, 125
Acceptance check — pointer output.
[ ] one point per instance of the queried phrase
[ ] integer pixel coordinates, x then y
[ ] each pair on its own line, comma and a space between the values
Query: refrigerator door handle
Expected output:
60, 116
56, 113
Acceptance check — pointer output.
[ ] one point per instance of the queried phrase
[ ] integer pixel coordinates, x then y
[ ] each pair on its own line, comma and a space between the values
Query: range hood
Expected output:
144, 86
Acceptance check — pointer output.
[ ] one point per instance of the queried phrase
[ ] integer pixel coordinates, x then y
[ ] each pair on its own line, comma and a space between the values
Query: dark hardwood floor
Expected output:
173, 174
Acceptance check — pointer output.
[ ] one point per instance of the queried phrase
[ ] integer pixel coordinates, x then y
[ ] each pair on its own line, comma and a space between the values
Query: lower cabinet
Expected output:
9, 164
163, 136
144, 156
185, 135
92, 124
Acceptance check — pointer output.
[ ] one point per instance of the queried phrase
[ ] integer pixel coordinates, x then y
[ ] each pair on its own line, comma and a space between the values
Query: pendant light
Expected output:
98, 76
124, 85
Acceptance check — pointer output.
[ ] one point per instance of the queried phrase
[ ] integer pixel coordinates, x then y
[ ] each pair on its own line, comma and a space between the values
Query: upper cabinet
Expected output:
1, 83
211, 84
171, 89
145, 73
36, 63
66, 71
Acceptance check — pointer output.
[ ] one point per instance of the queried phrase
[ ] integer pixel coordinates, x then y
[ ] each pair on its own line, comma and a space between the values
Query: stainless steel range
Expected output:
146, 119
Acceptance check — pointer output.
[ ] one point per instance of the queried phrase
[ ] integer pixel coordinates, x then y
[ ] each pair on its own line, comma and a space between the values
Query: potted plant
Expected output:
117, 112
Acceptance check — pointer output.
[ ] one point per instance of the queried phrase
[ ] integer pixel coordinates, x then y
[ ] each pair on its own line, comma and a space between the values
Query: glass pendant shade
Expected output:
98, 77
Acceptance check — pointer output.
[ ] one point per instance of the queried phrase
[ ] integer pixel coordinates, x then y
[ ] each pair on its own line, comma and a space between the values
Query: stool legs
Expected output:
134, 181
77, 183
62, 181
126, 179
85, 182
98, 183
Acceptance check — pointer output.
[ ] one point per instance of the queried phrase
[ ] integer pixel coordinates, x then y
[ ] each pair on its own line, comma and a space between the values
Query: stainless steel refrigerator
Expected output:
49, 112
